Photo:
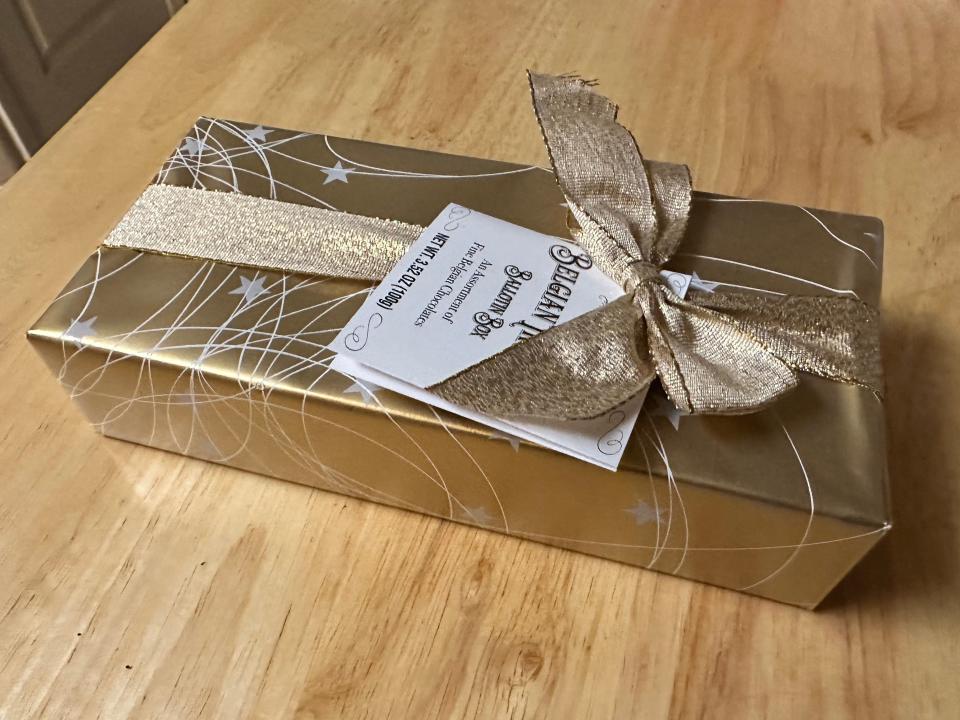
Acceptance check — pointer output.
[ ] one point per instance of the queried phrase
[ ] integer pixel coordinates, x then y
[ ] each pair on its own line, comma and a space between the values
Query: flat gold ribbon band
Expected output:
245, 230
718, 353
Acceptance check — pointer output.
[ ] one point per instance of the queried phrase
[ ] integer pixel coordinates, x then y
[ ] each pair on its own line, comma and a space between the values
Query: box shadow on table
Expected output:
918, 557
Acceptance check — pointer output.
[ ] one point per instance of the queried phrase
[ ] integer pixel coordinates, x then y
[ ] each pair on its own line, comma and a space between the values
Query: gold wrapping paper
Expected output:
229, 364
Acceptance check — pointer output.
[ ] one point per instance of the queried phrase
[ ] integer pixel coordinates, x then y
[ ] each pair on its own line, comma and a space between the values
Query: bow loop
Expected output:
593, 365
707, 364
671, 193
628, 209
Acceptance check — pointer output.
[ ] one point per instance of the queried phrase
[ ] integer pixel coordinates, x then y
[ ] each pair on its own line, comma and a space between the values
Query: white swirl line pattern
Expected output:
820, 222
838, 291
674, 489
806, 530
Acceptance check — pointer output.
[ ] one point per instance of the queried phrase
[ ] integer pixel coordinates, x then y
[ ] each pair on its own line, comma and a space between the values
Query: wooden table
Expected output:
134, 582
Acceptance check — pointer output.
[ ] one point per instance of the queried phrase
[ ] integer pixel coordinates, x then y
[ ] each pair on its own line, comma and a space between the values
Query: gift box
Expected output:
228, 362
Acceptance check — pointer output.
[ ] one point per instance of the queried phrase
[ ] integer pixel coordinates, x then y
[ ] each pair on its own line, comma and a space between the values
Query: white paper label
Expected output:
469, 287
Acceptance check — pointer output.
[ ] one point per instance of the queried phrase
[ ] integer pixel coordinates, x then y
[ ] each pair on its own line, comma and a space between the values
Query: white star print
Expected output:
664, 408
479, 515
192, 146
696, 282
250, 289
367, 391
79, 330
643, 513
258, 133
337, 173
514, 441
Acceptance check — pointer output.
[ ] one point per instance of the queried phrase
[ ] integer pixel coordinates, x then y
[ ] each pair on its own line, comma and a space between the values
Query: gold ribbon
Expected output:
719, 353
716, 353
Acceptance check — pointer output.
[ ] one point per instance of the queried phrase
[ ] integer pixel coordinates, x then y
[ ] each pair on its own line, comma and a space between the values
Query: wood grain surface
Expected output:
137, 583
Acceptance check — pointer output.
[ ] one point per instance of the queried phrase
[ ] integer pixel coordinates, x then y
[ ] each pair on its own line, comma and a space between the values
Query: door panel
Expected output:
55, 54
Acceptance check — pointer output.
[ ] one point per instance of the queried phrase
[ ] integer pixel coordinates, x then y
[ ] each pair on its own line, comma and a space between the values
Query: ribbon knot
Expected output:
640, 273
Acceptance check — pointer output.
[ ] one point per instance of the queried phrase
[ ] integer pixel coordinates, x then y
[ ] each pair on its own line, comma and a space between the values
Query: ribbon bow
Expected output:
716, 353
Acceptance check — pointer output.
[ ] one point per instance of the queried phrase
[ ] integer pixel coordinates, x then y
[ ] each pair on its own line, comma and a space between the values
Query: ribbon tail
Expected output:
833, 337
578, 370
707, 364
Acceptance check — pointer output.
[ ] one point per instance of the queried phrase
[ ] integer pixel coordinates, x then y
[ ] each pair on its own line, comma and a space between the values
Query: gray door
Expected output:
55, 54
